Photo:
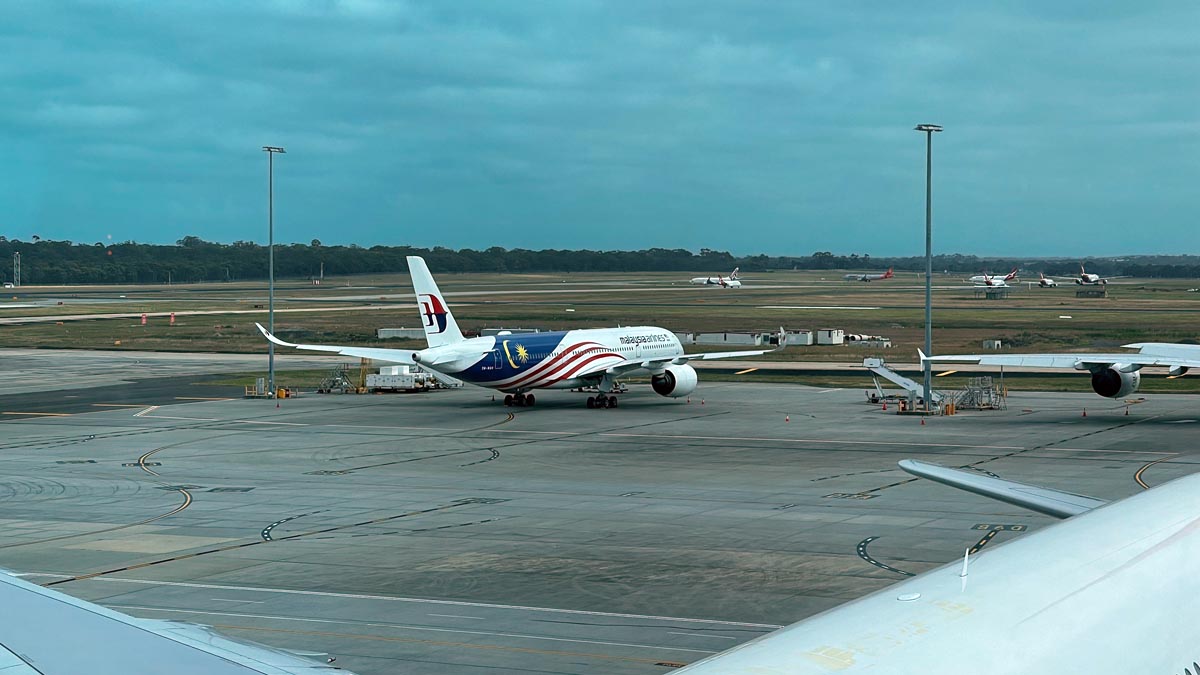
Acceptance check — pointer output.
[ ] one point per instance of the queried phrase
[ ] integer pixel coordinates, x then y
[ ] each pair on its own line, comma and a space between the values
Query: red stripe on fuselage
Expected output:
549, 364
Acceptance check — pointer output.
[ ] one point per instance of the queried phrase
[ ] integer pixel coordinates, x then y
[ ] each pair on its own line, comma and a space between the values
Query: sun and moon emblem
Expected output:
522, 354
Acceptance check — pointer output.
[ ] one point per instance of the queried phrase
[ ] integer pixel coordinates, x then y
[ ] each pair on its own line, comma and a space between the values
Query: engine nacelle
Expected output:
1112, 383
675, 381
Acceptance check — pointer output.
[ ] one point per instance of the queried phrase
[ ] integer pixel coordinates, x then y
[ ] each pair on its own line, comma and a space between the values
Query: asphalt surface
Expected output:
443, 533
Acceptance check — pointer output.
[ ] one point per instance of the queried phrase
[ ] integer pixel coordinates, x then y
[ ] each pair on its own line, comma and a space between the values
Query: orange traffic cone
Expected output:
701, 401
922, 421
885, 405
1085, 412
787, 418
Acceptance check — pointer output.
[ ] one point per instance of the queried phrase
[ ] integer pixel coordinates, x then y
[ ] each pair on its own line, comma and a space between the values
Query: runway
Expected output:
443, 533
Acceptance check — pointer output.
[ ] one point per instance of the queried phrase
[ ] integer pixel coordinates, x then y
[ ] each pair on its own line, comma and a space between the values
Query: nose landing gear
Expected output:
519, 400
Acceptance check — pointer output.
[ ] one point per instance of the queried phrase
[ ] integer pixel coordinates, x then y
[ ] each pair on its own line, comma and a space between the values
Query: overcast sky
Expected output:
777, 127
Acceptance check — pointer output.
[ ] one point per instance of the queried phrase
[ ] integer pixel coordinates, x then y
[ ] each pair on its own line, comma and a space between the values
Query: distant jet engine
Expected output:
675, 381
1111, 382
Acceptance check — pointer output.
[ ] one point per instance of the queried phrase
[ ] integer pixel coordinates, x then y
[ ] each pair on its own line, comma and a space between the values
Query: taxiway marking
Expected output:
446, 603
38, 414
121, 405
401, 626
703, 635
817, 440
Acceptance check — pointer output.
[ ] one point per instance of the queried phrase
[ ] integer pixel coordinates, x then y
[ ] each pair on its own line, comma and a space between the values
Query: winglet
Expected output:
919, 352
1042, 500
272, 338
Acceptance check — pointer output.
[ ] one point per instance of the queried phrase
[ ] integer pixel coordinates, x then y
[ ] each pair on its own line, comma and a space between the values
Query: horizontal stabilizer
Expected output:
1042, 500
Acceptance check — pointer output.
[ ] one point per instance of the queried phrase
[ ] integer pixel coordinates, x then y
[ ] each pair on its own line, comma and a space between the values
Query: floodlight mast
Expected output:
271, 151
929, 130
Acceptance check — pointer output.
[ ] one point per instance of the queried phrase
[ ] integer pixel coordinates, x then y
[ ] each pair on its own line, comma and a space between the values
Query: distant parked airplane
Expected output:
730, 281
869, 277
1046, 282
518, 364
983, 278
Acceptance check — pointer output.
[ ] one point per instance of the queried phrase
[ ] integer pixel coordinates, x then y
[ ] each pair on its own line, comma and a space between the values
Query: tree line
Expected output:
194, 260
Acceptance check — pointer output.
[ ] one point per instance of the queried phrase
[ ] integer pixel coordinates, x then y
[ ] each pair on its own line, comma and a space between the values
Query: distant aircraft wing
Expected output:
627, 365
44, 632
1042, 500
373, 353
1150, 354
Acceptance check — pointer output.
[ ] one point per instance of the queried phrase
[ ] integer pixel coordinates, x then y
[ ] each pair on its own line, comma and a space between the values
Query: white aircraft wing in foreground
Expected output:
1107, 592
1114, 375
43, 632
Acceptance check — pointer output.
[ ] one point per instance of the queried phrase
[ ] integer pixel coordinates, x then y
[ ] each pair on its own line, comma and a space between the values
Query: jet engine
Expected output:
1111, 382
675, 381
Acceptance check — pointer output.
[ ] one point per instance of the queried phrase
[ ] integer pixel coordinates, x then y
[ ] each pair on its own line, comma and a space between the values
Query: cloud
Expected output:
752, 126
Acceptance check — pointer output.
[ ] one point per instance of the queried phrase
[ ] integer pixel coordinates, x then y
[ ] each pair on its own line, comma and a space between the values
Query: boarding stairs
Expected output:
915, 389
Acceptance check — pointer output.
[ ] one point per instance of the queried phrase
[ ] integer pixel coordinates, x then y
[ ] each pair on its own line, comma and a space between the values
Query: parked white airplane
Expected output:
1059, 600
44, 632
518, 364
869, 277
1046, 282
730, 281
983, 278
1114, 375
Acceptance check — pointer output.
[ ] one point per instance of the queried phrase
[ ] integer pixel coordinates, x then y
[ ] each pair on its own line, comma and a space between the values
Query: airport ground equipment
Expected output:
915, 389
337, 380
992, 293
981, 393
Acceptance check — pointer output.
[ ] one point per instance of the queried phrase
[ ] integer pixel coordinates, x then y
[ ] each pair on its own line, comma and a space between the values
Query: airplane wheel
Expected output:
508, 399
519, 400
612, 401
591, 402
529, 400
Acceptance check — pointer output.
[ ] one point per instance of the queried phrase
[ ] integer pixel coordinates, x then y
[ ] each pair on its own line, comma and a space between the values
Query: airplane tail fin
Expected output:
440, 326
734, 273
889, 274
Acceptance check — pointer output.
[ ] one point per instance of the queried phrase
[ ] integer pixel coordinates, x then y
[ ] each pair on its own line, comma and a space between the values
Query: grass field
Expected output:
349, 310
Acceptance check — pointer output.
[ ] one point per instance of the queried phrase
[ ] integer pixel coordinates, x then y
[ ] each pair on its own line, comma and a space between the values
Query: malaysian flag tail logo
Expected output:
434, 312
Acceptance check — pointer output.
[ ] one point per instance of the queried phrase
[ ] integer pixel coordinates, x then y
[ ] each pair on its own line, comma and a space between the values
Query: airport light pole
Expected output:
271, 151
929, 130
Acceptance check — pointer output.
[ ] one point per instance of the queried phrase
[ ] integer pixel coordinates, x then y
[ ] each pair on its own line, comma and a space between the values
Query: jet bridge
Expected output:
915, 389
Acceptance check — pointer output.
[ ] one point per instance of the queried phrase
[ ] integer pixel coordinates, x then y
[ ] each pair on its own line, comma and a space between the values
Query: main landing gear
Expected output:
519, 400
602, 401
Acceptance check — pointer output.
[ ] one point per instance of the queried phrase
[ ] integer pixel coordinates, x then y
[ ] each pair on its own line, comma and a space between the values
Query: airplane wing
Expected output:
1042, 500
1056, 600
627, 365
44, 632
1148, 354
374, 353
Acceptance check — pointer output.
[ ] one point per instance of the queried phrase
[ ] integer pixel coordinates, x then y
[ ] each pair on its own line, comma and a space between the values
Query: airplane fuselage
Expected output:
520, 362
724, 282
